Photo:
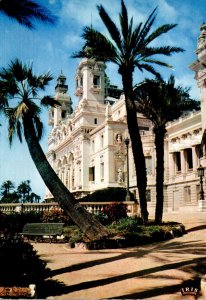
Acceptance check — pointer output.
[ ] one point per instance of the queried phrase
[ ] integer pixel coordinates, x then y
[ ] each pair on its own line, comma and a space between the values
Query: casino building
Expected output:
86, 146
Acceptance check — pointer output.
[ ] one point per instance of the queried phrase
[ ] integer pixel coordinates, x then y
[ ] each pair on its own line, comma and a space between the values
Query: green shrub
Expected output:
107, 195
130, 224
14, 222
102, 218
20, 264
73, 235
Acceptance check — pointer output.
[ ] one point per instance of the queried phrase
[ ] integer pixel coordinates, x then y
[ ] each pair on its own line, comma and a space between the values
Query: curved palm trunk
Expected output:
137, 148
90, 227
159, 144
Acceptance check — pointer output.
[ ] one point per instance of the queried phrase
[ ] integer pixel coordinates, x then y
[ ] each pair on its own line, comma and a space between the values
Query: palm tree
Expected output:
129, 48
19, 88
160, 101
25, 11
6, 187
34, 198
24, 190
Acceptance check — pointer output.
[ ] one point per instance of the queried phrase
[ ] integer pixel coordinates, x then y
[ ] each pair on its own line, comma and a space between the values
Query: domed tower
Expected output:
62, 111
90, 80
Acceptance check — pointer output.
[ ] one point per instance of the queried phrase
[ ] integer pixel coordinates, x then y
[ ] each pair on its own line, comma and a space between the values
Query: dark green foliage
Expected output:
129, 224
107, 195
23, 193
102, 218
20, 264
74, 235
25, 12
14, 222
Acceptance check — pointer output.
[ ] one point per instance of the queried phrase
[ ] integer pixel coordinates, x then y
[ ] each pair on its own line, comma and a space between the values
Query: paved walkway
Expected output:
156, 271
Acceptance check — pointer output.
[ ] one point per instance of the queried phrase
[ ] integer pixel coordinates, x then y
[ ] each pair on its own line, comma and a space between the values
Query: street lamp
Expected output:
126, 141
200, 172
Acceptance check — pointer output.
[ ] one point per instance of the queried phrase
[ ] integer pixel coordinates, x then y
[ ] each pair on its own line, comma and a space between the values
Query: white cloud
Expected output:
72, 41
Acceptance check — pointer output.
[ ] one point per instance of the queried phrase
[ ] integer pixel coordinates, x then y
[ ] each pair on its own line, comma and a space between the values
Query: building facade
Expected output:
86, 146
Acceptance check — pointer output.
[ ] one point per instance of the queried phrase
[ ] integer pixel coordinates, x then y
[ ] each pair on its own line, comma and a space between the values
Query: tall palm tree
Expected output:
161, 101
25, 11
129, 48
19, 89
24, 190
6, 187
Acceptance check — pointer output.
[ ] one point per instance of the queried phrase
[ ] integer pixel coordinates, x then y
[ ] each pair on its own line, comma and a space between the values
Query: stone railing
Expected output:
92, 207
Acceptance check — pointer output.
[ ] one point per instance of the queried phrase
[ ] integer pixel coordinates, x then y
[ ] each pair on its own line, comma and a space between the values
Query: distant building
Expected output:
86, 146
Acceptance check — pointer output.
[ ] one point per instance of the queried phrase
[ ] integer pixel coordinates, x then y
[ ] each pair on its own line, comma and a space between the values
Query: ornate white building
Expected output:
86, 147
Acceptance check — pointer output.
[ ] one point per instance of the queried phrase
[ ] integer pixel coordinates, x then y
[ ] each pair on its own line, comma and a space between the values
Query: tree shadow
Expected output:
196, 228
60, 288
96, 262
163, 247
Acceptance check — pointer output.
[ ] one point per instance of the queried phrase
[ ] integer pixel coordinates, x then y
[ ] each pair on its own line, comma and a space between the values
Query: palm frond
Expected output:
150, 69
147, 26
38, 127
157, 62
19, 130
165, 50
49, 101
123, 17
159, 31
111, 27
97, 46
26, 11
155, 98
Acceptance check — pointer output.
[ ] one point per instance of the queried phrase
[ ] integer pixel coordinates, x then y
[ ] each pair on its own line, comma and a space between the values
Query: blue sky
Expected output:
50, 48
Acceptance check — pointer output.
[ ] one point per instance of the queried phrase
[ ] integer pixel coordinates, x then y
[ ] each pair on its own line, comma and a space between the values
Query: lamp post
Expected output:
126, 141
200, 172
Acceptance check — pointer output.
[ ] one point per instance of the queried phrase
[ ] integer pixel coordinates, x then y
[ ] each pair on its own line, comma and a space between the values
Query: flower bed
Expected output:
18, 292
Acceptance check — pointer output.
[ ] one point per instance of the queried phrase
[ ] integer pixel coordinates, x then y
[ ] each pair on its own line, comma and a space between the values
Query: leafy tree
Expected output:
161, 101
25, 11
10, 198
19, 88
6, 187
24, 190
129, 47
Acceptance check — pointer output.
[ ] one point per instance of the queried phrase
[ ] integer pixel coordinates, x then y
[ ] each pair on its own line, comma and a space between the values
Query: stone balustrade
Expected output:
92, 207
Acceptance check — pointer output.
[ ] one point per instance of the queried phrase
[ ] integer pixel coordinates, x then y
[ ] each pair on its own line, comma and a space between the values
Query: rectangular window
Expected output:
148, 163
95, 120
148, 195
92, 174
96, 81
81, 81
187, 194
177, 159
189, 161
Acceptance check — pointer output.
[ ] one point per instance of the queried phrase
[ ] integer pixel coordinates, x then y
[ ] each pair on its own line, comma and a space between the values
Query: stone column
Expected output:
194, 158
